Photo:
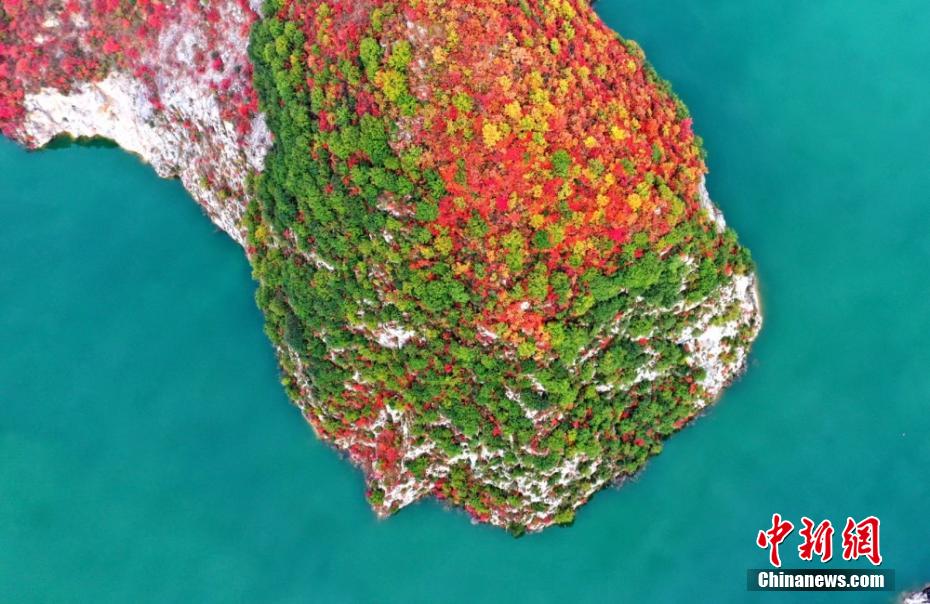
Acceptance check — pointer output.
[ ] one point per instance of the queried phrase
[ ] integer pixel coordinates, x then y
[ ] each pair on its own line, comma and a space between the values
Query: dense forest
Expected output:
479, 242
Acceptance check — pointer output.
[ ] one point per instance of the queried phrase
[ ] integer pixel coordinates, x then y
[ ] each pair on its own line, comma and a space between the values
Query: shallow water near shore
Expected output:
149, 454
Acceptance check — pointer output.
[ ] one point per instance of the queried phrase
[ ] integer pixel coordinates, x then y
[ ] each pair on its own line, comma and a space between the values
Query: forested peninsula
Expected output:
480, 231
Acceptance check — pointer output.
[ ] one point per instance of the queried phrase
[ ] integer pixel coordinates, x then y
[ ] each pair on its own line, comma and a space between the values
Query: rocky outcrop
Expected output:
181, 101
187, 139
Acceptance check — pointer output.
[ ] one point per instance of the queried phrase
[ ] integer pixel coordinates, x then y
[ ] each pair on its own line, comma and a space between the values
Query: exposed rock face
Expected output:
187, 139
404, 382
179, 95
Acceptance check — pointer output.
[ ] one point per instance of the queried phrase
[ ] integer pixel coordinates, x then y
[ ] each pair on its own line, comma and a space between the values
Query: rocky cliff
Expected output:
170, 82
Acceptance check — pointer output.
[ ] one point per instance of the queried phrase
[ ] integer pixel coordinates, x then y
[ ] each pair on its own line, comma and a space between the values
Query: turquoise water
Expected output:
148, 454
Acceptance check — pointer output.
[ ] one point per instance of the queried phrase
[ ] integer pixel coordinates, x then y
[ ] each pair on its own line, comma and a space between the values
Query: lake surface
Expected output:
148, 453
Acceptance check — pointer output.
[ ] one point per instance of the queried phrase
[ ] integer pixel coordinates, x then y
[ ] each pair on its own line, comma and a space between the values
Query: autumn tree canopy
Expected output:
481, 246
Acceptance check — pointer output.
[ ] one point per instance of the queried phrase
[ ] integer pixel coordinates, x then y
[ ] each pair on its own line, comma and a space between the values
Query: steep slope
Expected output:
169, 81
